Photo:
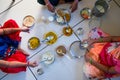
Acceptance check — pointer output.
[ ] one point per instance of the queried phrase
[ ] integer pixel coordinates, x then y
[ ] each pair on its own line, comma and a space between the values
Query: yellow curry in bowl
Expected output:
33, 43
53, 39
67, 31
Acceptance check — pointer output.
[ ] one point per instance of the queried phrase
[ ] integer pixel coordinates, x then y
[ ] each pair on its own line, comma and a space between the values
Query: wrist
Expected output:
47, 2
100, 39
28, 63
91, 61
20, 29
92, 41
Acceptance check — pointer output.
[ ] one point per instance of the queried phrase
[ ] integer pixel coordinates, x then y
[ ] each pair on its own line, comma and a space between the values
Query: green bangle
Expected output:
90, 61
101, 39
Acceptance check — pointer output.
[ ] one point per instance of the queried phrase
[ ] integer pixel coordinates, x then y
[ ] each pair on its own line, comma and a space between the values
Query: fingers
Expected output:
74, 6
51, 9
25, 29
33, 64
73, 9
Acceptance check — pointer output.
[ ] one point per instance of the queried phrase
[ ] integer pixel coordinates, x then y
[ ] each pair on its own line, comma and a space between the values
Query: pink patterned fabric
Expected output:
117, 67
104, 53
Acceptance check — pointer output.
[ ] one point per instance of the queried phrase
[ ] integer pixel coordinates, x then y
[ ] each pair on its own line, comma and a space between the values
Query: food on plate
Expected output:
61, 50
33, 43
100, 8
67, 31
85, 13
60, 14
67, 16
49, 56
52, 36
60, 19
28, 21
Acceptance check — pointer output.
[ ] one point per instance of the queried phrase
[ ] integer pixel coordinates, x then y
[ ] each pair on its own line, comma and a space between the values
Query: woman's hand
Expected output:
24, 29
88, 58
32, 64
74, 6
89, 41
50, 7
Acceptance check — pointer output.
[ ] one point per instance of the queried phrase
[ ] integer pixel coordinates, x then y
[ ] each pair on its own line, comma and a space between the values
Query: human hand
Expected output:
74, 6
88, 58
32, 64
89, 41
50, 7
24, 29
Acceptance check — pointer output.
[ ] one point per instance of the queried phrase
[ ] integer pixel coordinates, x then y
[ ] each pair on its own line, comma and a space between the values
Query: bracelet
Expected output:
28, 63
100, 39
90, 61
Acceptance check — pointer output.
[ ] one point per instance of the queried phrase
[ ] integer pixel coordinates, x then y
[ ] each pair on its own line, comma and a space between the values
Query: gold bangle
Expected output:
101, 39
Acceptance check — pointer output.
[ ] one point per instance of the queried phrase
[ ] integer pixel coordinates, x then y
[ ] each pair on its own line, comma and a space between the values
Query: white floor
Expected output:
62, 68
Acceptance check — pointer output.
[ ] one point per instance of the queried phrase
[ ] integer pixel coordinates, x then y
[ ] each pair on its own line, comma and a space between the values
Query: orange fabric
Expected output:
100, 55
94, 54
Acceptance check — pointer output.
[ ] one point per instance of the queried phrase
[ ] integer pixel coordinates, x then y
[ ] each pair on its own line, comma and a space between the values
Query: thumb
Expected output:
71, 10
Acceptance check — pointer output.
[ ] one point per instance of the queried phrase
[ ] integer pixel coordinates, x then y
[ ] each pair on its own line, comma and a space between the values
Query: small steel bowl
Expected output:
28, 21
85, 13
33, 43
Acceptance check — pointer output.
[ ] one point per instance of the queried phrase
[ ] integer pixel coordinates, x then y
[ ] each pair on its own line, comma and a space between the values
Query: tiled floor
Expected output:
62, 68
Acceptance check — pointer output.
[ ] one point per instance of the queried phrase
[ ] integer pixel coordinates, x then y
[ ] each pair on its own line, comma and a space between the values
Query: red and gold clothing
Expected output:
18, 55
106, 53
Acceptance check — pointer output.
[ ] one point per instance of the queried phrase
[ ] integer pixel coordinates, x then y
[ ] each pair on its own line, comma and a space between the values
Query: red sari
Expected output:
18, 55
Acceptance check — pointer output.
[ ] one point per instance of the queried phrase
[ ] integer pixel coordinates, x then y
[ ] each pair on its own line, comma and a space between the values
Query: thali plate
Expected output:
67, 31
53, 40
85, 13
46, 55
61, 50
59, 18
28, 21
33, 43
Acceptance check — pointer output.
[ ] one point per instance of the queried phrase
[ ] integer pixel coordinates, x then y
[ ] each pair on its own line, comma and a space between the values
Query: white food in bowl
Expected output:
100, 8
48, 55
60, 19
